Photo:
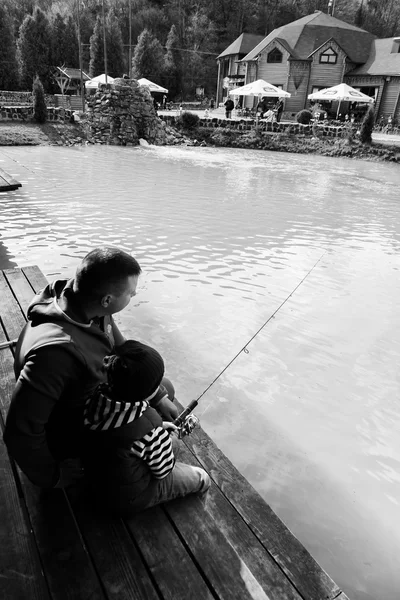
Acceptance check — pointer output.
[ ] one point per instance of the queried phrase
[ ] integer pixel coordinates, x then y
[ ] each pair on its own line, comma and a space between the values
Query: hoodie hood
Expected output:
102, 411
45, 305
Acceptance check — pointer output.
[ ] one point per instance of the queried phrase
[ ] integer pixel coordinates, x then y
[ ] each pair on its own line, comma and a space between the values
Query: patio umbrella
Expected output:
259, 88
342, 93
93, 83
153, 87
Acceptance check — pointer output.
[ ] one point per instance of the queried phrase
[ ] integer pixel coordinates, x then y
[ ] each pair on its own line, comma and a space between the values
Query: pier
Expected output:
7, 182
53, 546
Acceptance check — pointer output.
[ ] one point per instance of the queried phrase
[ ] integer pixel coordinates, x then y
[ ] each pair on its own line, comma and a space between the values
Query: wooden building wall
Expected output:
326, 75
390, 96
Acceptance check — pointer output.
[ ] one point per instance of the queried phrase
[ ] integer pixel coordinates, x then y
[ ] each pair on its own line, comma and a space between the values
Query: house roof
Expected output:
381, 61
242, 45
73, 73
308, 33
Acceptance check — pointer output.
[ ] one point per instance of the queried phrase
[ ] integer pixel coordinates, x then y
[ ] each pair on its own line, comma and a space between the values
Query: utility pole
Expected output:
80, 57
104, 41
130, 41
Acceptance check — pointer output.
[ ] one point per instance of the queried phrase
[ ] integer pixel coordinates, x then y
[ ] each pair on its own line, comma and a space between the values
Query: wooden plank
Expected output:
174, 573
66, 564
20, 287
35, 277
312, 582
123, 573
10, 312
20, 570
8, 183
259, 570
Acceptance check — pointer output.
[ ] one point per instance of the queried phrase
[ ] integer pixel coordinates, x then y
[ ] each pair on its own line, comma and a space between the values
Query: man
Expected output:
59, 361
229, 106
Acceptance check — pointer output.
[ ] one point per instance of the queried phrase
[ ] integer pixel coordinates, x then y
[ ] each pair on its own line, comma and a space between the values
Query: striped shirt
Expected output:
103, 412
155, 448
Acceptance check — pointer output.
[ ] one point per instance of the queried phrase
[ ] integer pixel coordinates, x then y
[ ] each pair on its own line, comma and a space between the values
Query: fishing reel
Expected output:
189, 423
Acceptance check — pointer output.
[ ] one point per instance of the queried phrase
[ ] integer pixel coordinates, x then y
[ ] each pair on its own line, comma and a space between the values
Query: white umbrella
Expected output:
259, 88
93, 83
153, 87
342, 93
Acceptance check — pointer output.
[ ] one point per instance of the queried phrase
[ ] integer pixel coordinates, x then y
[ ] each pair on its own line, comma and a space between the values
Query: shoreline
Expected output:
70, 134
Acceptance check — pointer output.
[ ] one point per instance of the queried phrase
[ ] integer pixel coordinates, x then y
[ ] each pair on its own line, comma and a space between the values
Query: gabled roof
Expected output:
242, 45
73, 73
308, 33
381, 61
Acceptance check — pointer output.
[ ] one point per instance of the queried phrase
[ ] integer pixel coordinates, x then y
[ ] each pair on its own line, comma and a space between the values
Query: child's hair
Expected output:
134, 372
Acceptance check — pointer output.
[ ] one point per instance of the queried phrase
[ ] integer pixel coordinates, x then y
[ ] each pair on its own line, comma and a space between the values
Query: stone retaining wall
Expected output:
9, 98
25, 113
250, 125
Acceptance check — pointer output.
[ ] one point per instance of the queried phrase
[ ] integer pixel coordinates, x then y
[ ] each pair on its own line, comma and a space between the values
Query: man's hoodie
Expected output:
58, 361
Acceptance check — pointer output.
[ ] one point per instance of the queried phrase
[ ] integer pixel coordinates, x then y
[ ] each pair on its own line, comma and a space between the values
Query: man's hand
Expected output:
71, 472
167, 409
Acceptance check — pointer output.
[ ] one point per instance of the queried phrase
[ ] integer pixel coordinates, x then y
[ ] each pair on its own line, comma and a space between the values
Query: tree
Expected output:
148, 58
96, 66
33, 49
8, 61
64, 43
171, 62
115, 50
39, 102
367, 126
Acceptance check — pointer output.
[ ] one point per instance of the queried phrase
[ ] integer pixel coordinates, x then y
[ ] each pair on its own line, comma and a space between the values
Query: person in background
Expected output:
229, 106
59, 360
127, 449
212, 104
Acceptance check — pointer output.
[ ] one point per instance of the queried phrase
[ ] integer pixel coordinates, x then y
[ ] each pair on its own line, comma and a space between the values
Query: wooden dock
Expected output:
54, 547
7, 182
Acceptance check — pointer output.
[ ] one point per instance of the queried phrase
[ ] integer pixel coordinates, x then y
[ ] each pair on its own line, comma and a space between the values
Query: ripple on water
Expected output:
310, 415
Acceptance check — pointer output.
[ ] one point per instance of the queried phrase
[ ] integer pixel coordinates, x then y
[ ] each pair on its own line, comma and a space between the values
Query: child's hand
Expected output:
170, 426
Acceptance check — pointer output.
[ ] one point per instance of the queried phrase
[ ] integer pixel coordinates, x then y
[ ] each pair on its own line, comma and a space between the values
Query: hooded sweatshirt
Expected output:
58, 361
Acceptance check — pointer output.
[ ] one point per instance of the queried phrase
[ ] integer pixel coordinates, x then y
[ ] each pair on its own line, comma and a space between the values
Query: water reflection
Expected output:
310, 415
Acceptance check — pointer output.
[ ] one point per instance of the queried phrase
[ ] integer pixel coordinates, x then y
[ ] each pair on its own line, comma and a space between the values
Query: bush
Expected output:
39, 103
367, 126
188, 120
304, 117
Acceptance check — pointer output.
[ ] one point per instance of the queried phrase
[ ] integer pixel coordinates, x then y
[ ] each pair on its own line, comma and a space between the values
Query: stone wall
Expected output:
250, 125
121, 113
10, 98
25, 113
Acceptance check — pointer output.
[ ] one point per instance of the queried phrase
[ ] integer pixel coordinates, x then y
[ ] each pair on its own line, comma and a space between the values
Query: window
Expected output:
329, 56
275, 56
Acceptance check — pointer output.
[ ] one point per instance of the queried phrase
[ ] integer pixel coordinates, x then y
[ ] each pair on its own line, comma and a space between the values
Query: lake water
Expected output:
309, 409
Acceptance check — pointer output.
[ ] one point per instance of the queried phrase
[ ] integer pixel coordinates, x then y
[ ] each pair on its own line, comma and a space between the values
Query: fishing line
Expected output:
244, 349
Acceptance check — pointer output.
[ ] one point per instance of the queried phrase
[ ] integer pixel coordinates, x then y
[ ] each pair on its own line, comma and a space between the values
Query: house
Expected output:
69, 80
320, 51
231, 71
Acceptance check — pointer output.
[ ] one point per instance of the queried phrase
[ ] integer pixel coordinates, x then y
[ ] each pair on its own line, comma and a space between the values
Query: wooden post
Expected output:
80, 58
130, 41
104, 41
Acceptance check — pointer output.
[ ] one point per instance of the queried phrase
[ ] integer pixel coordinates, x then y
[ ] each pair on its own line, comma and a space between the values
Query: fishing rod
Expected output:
8, 344
185, 421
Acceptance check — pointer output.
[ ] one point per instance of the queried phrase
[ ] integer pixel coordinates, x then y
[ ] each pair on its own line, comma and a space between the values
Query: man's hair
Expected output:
104, 271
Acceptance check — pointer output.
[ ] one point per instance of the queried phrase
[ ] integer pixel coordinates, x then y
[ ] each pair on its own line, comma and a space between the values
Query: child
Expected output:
127, 450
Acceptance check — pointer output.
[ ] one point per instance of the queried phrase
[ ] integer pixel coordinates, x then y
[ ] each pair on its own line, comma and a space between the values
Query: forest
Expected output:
172, 42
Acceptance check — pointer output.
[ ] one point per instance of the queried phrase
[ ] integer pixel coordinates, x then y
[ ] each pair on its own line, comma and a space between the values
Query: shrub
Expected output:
188, 120
304, 117
367, 126
39, 103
